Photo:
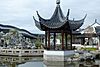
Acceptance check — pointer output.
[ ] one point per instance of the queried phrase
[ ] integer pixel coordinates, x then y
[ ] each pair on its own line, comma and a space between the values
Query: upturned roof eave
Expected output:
77, 23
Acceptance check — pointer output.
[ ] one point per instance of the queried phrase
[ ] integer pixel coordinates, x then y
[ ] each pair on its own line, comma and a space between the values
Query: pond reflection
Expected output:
8, 61
71, 64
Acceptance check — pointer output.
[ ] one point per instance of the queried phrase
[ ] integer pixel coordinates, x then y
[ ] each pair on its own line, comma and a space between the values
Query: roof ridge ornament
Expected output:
58, 2
67, 17
85, 16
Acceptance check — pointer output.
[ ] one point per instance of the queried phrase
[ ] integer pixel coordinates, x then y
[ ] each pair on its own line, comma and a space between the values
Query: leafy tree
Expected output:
38, 43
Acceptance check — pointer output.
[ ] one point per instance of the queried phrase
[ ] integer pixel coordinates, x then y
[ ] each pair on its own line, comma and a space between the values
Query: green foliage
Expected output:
68, 37
38, 43
59, 36
13, 31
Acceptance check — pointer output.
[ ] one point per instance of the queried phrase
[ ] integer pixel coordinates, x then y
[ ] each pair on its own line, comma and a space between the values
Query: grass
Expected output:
89, 49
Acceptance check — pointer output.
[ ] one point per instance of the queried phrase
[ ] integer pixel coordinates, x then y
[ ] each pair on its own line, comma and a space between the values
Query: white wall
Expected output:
59, 53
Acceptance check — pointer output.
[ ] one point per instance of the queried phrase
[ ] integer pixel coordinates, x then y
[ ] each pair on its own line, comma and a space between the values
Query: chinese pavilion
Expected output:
58, 23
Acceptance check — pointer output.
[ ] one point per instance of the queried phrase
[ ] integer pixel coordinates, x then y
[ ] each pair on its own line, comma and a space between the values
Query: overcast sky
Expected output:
19, 12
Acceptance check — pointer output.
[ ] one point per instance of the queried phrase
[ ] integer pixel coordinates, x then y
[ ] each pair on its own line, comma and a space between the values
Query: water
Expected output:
7, 61
32, 64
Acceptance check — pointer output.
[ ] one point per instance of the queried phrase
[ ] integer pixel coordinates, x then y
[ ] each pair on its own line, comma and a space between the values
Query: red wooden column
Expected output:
48, 39
45, 39
54, 41
66, 41
62, 40
71, 41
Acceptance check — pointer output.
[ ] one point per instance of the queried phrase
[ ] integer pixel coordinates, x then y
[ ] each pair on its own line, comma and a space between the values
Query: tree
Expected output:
38, 43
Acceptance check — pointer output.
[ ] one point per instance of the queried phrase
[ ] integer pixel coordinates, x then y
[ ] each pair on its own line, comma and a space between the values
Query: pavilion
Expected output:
58, 23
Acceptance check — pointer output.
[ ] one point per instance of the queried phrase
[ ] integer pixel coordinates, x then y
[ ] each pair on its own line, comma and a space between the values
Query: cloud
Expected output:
19, 12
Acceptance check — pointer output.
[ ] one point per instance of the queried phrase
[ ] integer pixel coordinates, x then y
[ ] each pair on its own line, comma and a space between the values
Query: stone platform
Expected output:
52, 55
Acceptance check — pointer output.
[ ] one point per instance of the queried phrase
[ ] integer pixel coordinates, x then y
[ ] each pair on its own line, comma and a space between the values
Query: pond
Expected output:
8, 61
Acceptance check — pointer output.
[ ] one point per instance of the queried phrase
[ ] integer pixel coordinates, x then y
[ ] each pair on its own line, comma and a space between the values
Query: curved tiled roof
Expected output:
94, 26
74, 25
58, 20
97, 28
22, 31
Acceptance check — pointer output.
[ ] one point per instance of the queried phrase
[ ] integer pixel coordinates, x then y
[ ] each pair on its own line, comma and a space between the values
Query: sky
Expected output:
19, 13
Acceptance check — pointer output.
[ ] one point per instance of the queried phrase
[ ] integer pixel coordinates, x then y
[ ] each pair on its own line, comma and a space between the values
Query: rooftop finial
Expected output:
58, 2
95, 20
